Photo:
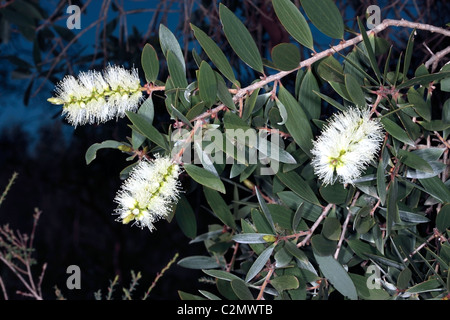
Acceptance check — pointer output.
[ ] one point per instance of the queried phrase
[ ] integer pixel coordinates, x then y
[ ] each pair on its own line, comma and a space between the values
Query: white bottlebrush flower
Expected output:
94, 97
149, 192
348, 143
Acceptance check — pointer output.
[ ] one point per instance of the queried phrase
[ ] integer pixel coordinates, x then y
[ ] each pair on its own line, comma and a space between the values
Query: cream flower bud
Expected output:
94, 97
149, 192
348, 143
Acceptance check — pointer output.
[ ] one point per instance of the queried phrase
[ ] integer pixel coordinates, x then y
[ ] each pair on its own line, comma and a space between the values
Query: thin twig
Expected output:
160, 274
315, 225
266, 281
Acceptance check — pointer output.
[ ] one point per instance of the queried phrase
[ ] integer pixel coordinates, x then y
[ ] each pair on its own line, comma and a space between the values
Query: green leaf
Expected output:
331, 101
421, 106
241, 289
297, 121
176, 71
331, 228
325, 15
198, 262
403, 279
186, 218
169, 42
91, 152
443, 219
189, 296
392, 215
285, 282
231, 121
424, 79
207, 84
252, 237
334, 193
396, 131
323, 246
309, 101
220, 274
294, 182
337, 275
381, 182
215, 54
434, 125
219, 207
294, 22
145, 128
436, 188
414, 161
240, 39
259, 263
426, 286
329, 69
286, 56
265, 209
223, 94
150, 63
408, 53
204, 177
355, 91
369, 50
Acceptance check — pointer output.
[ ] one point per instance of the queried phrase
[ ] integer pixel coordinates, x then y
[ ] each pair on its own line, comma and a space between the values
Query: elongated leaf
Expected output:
443, 218
294, 182
297, 121
214, 53
91, 152
420, 105
259, 263
426, 286
331, 101
219, 207
265, 209
150, 63
436, 188
408, 53
241, 290
424, 79
240, 39
176, 71
204, 177
381, 182
355, 91
186, 218
223, 94
294, 22
145, 128
392, 215
396, 131
330, 69
285, 282
198, 262
369, 50
207, 84
325, 16
309, 101
338, 276
252, 237
286, 56
220, 274
414, 161
169, 42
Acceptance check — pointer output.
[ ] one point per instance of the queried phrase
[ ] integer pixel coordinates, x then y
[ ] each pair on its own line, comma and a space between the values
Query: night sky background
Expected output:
77, 226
